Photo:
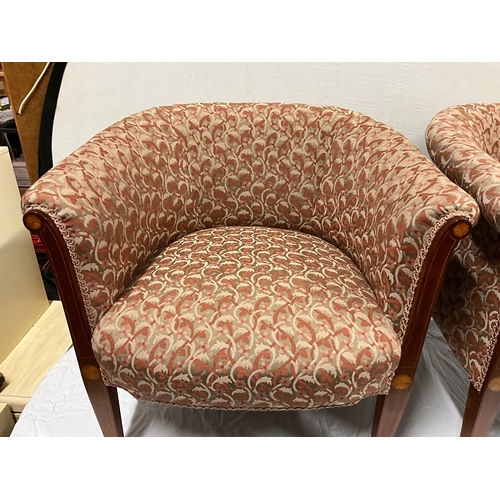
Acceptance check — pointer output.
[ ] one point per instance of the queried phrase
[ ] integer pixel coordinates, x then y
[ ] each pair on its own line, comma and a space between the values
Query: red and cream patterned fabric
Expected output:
159, 177
248, 317
464, 142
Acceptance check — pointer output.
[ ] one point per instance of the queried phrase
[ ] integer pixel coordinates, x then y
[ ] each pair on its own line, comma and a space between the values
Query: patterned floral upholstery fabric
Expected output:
248, 316
464, 143
159, 177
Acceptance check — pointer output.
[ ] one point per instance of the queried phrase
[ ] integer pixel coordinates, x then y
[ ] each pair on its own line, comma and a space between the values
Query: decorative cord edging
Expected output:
478, 384
84, 291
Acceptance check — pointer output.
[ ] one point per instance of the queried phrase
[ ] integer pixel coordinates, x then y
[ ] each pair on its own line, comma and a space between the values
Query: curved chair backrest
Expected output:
159, 174
464, 142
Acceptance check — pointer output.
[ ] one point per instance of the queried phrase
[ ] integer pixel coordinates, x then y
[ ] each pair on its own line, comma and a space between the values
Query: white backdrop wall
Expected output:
403, 95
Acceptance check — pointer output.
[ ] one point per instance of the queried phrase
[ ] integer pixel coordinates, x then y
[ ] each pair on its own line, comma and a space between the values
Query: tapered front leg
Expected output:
481, 409
104, 400
390, 408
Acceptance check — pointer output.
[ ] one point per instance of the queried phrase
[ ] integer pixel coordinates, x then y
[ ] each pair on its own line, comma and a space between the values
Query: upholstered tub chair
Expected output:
464, 143
248, 257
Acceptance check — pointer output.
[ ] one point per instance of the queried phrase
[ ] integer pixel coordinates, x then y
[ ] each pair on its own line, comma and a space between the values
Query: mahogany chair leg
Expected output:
106, 407
388, 412
481, 409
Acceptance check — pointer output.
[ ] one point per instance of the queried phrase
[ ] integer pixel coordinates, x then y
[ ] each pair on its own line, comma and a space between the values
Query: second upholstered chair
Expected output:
464, 143
248, 257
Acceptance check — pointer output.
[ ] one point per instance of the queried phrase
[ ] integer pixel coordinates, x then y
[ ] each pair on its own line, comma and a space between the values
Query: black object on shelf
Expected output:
8, 134
49, 281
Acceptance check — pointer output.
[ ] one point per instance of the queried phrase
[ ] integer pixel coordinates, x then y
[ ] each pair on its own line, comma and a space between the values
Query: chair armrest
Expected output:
463, 141
398, 202
105, 201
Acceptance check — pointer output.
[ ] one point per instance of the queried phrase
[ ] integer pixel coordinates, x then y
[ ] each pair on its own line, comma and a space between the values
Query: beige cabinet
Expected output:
33, 332
22, 295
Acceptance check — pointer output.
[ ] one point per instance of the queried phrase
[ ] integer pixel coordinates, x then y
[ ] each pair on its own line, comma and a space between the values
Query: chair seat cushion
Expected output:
249, 318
